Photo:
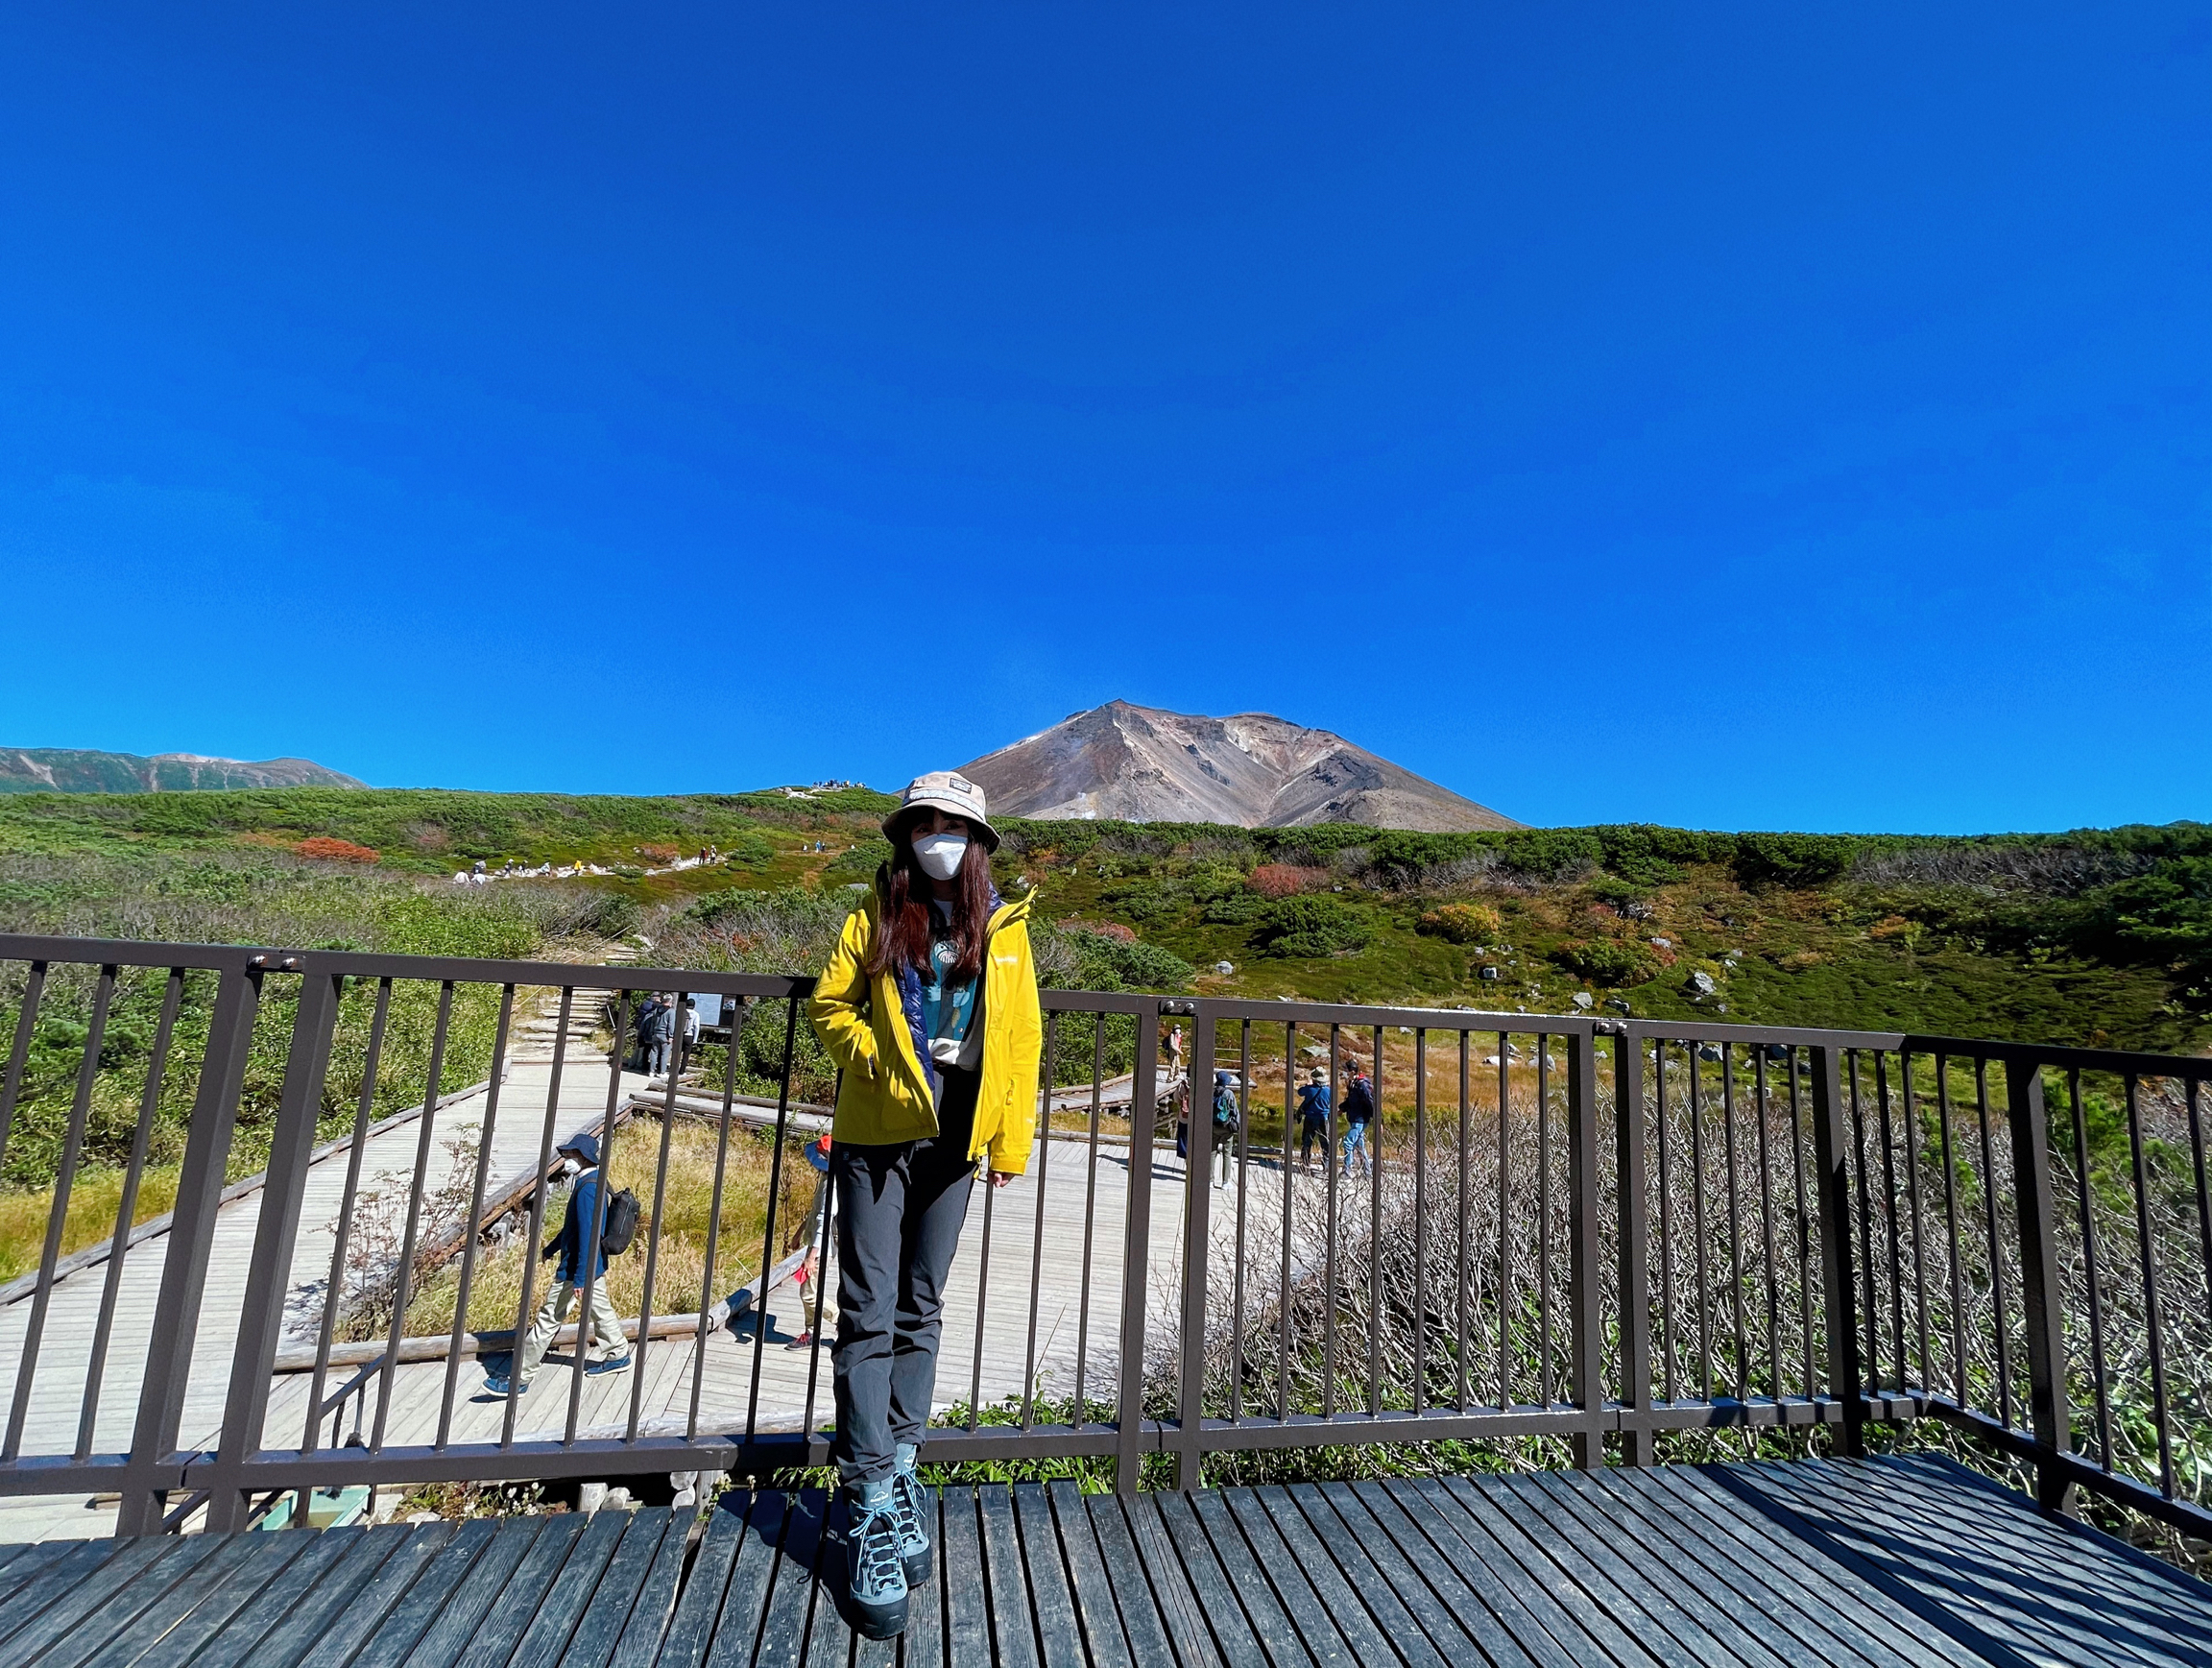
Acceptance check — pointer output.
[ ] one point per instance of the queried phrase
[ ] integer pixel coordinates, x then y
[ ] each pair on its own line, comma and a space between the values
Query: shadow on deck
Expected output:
1811, 1564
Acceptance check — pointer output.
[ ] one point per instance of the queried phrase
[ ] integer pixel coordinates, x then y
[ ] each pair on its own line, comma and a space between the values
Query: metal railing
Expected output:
1592, 1229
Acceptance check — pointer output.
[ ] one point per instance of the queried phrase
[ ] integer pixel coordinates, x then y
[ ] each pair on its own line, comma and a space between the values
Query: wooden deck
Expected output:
1811, 1565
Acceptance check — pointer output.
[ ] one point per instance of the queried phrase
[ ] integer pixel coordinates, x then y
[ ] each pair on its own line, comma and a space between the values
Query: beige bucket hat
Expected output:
947, 791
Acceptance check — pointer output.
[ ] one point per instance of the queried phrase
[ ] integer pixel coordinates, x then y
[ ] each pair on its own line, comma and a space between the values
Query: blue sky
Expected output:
1738, 416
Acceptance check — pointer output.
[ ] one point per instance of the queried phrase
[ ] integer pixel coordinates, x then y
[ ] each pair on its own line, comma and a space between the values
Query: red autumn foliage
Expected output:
1285, 880
328, 849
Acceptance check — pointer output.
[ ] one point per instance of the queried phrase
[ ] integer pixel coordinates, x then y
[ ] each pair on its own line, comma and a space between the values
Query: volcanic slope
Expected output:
84, 770
1143, 764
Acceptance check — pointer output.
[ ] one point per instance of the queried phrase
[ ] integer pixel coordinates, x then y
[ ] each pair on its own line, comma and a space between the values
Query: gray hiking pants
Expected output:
898, 1211
603, 1332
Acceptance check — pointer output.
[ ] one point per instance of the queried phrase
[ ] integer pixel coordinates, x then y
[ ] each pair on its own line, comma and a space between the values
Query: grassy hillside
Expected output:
2097, 936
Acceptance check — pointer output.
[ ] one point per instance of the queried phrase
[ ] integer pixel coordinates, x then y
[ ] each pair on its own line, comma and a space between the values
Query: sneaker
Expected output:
910, 1510
613, 1364
497, 1385
879, 1589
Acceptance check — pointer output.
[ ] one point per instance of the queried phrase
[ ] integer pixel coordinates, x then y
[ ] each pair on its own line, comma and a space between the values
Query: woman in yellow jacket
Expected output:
929, 1008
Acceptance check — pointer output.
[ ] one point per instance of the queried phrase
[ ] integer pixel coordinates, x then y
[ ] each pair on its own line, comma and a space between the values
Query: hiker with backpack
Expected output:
599, 1327
928, 1007
1314, 1109
1225, 1123
1359, 1113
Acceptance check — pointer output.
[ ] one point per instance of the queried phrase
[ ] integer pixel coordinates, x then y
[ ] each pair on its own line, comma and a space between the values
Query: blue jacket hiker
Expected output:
1359, 1113
1313, 1102
573, 1273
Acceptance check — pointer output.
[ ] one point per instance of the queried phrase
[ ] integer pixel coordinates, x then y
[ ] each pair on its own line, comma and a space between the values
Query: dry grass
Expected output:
90, 1217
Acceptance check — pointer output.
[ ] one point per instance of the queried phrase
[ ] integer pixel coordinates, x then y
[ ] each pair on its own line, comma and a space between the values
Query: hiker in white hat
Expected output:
930, 1007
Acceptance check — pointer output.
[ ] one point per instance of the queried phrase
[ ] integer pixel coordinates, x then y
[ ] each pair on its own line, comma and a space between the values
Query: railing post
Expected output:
1586, 1329
1832, 1188
191, 1241
1635, 1249
1197, 1232
1137, 1256
2039, 1279
276, 1235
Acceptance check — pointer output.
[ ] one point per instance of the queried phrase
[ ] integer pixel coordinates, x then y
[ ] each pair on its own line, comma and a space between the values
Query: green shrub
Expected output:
1105, 962
1312, 925
1236, 911
1608, 960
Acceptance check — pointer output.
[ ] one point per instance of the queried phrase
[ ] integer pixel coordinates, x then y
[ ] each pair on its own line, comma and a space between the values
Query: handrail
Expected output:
1618, 1230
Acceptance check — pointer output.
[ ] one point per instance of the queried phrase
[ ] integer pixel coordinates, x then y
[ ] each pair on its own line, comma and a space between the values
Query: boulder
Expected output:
1701, 983
1584, 1001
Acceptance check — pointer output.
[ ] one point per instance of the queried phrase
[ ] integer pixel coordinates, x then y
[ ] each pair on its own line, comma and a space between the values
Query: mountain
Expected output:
80, 770
1142, 765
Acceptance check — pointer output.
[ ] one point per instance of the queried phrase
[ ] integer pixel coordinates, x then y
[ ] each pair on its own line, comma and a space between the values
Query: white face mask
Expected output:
941, 854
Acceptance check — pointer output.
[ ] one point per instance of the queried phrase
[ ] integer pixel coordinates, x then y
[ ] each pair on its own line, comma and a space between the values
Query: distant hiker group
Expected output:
662, 1027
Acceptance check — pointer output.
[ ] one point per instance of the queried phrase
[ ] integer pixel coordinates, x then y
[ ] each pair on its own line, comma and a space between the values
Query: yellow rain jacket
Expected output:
885, 1096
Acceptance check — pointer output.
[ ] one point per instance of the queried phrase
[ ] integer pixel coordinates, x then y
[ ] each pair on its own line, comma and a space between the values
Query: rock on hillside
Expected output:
1142, 765
82, 770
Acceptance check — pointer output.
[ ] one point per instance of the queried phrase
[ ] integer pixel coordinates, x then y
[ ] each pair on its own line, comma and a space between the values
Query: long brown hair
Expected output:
905, 927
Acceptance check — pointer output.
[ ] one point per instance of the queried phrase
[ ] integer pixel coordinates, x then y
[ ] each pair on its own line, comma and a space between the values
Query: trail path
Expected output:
1067, 1307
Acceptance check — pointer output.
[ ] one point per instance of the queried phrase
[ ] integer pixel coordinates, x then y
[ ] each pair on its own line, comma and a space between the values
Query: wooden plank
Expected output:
1644, 1613
570, 1592
1366, 1621
80, 1562
923, 1644
134, 1617
1827, 1624
211, 1607
482, 1603
1146, 1627
349, 1605
699, 1599
327, 1549
53, 1605
1903, 1593
1469, 1590
966, 1603
2072, 1562
2021, 1555
745, 1605
1832, 1593
1014, 1639
2032, 1618
1351, 1525
1624, 1547
829, 1636
791, 1588
1248, 1625
1059, 1636
649, 1567
1234, 1516
1563, 1609
1188, 1627
1942, 1471
433, 1585
31, 1559
1312, 1528
508, 1611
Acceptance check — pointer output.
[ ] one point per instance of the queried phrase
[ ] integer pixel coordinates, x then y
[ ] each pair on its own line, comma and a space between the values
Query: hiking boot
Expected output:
613, 1364
878, 1591
911, 1509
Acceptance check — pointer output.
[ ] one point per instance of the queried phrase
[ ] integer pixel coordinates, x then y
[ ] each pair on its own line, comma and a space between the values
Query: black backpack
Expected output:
623, 1212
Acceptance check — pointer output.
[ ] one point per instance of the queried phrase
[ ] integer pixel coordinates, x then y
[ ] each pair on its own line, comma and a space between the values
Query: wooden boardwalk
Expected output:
1903, 1563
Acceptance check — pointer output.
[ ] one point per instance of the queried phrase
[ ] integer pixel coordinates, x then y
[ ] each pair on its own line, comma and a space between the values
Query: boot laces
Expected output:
879, 1561
906, 1506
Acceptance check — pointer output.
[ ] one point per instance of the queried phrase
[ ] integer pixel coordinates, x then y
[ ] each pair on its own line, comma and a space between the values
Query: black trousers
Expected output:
900, 1209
